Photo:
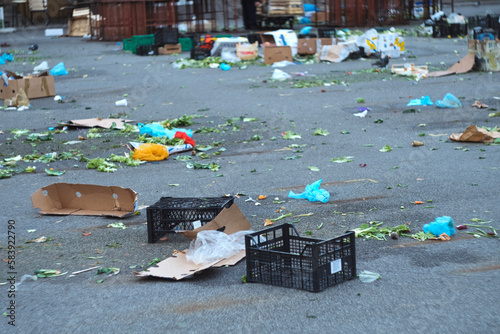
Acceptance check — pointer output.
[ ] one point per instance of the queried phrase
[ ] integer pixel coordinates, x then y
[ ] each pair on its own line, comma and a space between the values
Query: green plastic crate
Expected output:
130, 44
186, 44
220, 36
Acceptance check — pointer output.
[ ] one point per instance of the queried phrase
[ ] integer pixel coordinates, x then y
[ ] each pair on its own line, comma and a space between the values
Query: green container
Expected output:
186, 44
128, 45
220, 36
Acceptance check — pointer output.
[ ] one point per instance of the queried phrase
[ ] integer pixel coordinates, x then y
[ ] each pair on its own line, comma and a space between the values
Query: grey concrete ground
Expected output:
426, 287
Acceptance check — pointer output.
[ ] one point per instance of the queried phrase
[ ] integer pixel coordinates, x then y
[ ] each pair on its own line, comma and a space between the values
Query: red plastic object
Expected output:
183, 135
461, 227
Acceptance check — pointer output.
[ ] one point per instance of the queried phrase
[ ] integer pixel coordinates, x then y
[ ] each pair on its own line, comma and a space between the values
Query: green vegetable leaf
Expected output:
291, 135
314, 169
386, 148
54, 172
320, 132
342, 159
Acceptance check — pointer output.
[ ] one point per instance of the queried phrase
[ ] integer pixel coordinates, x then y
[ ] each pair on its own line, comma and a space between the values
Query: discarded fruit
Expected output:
461, 227
262, 196
419, 202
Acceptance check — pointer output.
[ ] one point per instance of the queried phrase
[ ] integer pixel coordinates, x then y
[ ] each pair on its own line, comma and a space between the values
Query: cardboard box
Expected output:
281, 37
85, 200
35, 86
273, 54
247, 51
318, 17
307, 46
178, 267
487, 54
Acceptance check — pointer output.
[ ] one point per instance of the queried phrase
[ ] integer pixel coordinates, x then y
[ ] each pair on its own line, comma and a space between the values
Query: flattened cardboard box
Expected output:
178, 267
85, 200
41, 85
274, 54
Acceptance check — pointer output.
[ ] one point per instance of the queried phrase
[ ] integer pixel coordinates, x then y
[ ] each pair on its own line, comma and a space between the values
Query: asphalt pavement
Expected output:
425, 287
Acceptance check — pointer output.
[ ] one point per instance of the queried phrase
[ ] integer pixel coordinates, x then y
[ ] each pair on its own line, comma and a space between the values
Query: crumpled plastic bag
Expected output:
151, 152
312, 193
441, 225
157, 130
449, 101
280, 75
229, 55
59, 69
210, 246
423, 101
367, 276
283, 63
44, 66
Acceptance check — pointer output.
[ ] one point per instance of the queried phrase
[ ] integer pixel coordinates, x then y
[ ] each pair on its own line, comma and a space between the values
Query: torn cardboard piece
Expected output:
178, 267
334, 53
85, 200
464, 65
475, 134
106, 123
274, 54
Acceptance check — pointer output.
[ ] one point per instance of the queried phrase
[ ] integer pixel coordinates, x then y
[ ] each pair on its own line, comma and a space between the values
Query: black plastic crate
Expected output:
167, 36
200, 53
458, 29
307, 36
252, 38
326, 32
279, 256
173, 213
146, 50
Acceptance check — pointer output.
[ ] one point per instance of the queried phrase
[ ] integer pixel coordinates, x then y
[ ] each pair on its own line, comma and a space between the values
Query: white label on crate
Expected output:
196, 224
335, 266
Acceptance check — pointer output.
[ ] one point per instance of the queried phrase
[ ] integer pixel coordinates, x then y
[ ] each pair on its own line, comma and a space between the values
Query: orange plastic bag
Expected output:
151, 152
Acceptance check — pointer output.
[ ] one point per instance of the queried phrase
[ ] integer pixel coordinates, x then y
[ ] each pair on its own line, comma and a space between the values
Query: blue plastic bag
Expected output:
7, 57
225, 67
157, 130
423, 101
59, 69
441, 225
312, 193
449, 101
306, 30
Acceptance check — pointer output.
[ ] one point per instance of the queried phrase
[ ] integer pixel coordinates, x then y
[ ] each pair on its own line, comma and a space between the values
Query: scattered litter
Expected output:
461, 227
151, 152
84, 270
44, 66
449, 101
225, 67
45, 273
121, 103
361, 114
479, 105
373, 230
410, 70
312, 193
417, 143
59, 69
441, 225
475, 134
105, 123
368, 277
280, 75
283, 63
118, 225
423, 101
212, 245
386, 148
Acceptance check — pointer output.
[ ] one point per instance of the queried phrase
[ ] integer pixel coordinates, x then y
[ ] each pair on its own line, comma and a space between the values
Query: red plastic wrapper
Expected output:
183, 135
461, 227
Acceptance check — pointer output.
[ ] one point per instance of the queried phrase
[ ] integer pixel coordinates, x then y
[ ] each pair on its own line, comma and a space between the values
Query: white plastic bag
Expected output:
280, 75
229, 55
44, 66
210, 246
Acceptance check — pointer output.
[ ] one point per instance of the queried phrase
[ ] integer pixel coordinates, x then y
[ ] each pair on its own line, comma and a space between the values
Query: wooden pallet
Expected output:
282, 7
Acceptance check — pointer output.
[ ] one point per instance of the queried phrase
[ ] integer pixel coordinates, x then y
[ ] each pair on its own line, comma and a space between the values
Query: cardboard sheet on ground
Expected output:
464, 65
105, 123
475, 134
85, 200
178, 267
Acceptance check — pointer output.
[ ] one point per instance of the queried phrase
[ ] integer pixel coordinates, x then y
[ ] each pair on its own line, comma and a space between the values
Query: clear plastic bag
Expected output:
210, 246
